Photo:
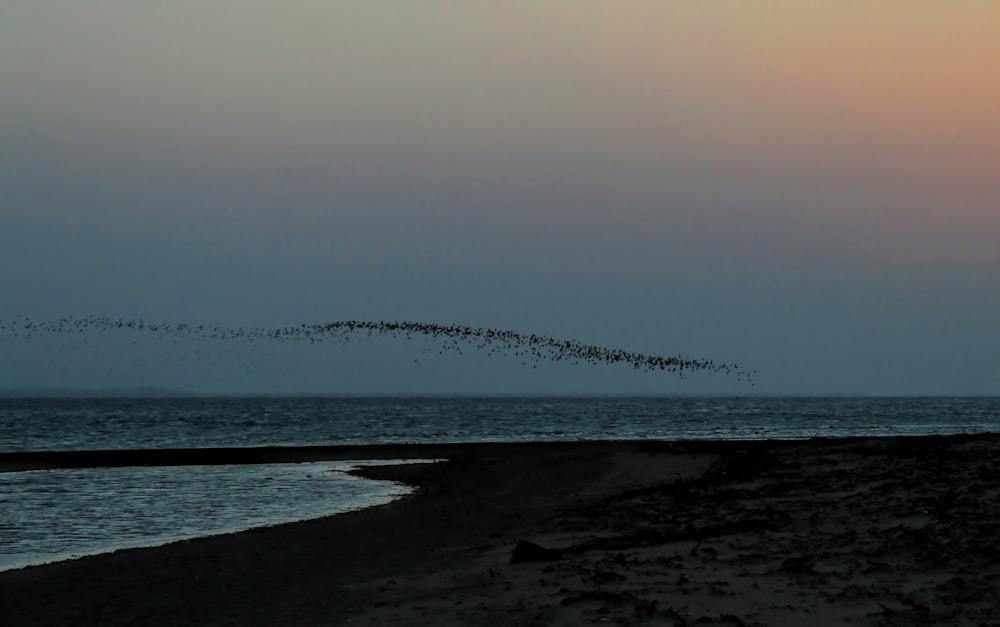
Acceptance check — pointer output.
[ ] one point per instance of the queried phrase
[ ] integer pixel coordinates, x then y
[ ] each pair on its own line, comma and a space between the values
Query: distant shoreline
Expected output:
153, 393
16, 461
86, 393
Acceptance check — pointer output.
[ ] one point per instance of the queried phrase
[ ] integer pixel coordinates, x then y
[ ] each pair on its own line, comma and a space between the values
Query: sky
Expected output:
809, 190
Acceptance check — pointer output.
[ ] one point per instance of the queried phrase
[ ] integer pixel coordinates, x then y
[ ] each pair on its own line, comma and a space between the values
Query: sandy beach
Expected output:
880, 531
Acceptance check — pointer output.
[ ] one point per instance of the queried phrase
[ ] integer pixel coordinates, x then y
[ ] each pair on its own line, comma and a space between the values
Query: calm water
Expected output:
49, 515
56, 514
74, 424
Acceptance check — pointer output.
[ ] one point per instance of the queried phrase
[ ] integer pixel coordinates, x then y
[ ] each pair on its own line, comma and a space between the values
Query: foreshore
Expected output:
856, 531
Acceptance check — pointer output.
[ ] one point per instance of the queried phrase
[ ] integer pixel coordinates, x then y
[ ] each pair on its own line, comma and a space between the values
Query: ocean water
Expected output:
87, 424
50, 515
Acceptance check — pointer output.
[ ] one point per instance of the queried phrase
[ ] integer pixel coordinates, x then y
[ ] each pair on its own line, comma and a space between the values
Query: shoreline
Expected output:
883, 530
16, 461
241, 497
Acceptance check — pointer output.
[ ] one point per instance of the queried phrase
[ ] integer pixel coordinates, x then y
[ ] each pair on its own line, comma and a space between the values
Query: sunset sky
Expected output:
811, 190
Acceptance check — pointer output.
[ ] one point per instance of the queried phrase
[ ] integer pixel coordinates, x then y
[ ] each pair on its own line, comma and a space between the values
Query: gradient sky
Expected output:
811, 190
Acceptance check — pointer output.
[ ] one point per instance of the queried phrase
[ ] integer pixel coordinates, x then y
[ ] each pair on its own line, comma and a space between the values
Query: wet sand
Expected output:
886, 531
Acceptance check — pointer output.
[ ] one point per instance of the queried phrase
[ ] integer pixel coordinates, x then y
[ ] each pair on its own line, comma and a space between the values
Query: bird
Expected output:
531, 348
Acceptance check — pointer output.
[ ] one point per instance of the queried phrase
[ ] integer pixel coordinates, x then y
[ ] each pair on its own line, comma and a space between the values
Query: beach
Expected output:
851, 531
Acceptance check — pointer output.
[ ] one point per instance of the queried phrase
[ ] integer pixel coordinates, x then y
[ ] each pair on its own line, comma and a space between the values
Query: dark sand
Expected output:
891, 531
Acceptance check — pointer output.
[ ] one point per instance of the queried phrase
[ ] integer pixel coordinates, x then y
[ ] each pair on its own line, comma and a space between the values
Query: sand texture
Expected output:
888, 531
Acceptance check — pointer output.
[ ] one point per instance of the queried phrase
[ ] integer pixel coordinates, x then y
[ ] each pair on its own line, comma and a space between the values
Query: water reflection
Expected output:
50, 515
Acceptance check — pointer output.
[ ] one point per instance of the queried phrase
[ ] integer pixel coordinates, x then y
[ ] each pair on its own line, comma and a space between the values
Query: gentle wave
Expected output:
88, 424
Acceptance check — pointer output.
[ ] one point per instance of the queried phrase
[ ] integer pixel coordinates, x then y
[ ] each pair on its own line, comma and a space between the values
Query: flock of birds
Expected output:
445, 337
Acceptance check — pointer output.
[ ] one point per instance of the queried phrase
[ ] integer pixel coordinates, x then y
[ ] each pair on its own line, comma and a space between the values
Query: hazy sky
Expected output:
811, 190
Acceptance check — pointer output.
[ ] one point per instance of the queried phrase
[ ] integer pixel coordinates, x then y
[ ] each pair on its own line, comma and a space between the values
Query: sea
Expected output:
59, 514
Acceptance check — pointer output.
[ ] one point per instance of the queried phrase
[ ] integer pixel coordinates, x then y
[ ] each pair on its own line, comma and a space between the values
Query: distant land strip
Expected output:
17, 461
